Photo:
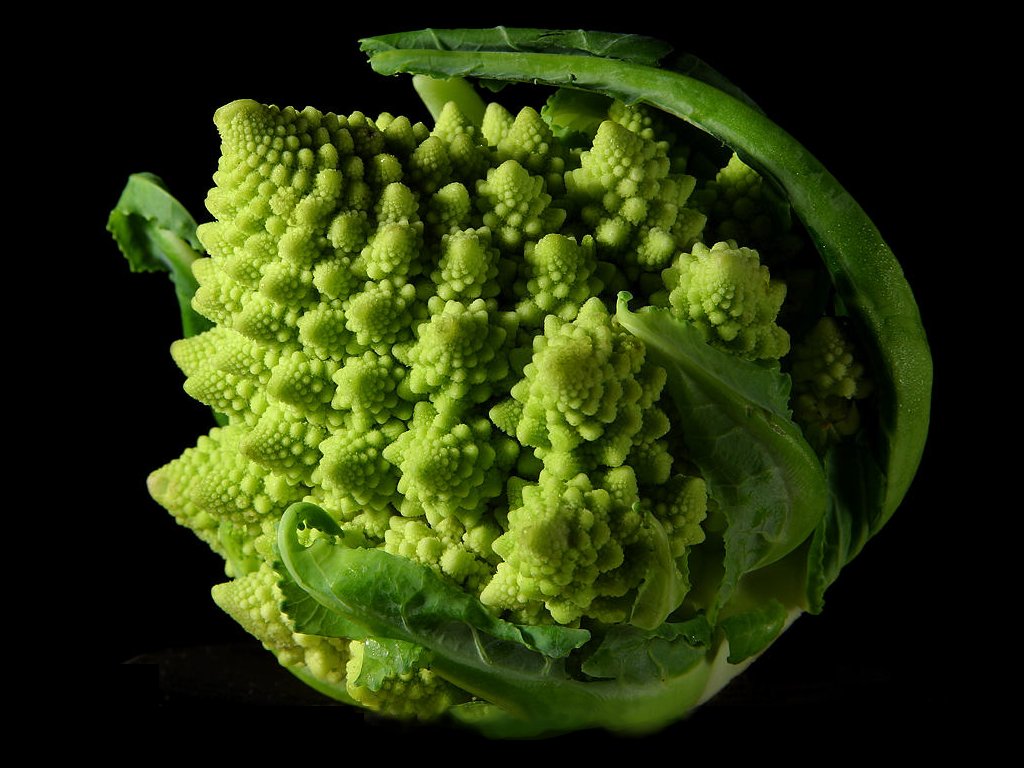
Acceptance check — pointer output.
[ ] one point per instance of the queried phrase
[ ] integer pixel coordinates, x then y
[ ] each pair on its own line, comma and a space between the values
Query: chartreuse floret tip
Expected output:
581, 390
557, 277
254, 602
728, 295
828, 380
450, 466
461, 351
564, 546
468, 267
516, 207
407, 689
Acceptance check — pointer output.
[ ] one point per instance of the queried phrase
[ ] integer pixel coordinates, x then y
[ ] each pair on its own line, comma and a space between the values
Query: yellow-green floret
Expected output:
253, 601
828, 380
412, 691
727, 293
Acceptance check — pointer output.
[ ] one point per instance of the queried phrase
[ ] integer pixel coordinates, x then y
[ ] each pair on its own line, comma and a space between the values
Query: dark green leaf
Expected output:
762, 387
553, 640
392, 596
734, 418
630, 654
855, 490
634, 48
146, 195
383, 659
664, 586
750, 632
572, 113
156, 234
310, 616
529, 690
692, 66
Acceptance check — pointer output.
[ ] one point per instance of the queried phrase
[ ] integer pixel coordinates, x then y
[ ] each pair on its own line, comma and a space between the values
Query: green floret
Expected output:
394, 678
629, 196
496, 124
468, 267
218, 297
556, 278
304, 383
461, 352
528, 140
726, 293
453, 123
581, 393
828, 380
367, 140
254, 601
462, 553
463, 141
347, 232
268, 323
401, 135
515, 206
429, 165
396, 205
620, 174
393, 252
380, 316
322, 332
565, 547
745, 209
287, 284
650, 454
449, 210
294, 204
284, 442
280, 180
224, 498
370, 388
384, 169
356, 477
638, 119
681, 506
450, 466
653, 125
225, 370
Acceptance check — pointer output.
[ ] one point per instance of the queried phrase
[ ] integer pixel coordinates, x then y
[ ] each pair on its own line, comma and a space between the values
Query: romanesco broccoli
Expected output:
455, 473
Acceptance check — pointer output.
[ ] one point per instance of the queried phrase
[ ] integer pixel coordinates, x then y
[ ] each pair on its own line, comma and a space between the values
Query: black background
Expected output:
865, 93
